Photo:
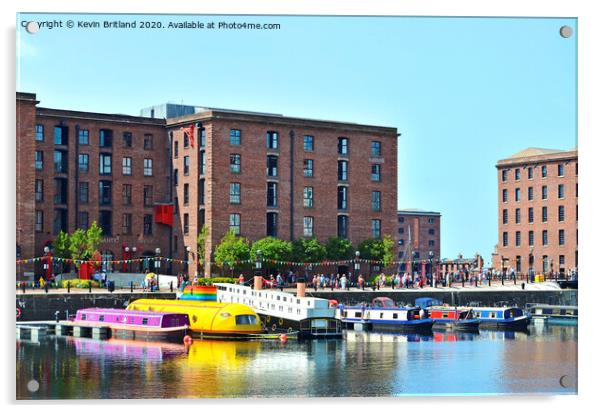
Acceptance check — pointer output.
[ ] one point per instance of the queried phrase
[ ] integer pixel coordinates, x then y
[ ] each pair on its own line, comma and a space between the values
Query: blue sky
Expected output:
463, 92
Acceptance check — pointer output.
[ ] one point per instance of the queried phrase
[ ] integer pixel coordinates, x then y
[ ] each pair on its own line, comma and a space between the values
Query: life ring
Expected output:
273, 327
280, 321
290, 330
18, 312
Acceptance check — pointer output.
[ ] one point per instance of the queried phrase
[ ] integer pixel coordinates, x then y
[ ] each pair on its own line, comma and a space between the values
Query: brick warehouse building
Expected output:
419, 234
259, 174
537, 211
265, 174
77, 167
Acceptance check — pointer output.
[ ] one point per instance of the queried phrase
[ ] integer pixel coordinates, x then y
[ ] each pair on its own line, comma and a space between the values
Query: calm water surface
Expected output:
362, 364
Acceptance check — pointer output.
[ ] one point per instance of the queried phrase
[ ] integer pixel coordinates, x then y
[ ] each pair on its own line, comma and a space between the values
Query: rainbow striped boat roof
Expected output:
199, 293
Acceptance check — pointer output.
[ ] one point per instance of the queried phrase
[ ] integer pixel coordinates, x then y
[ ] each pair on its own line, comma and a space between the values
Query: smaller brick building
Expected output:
419, 237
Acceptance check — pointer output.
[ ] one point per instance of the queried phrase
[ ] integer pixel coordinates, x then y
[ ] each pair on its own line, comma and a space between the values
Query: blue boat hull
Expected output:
518, 323
425, 325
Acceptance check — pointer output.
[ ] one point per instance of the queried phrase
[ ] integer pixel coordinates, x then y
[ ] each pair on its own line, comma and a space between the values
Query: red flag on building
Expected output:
190, 132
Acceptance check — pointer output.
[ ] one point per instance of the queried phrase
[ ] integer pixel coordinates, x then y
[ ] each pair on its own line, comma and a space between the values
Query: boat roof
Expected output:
569, 307
124, 312
491, 308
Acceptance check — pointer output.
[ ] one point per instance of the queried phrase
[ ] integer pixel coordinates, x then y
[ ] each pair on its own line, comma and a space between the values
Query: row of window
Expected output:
544, 214
105, 192
431, 231
272, 142
187, 142
544, 172
531, 240
105, 137
431, 242
83, 222
105, 164
401, 220
546, 262
544, 193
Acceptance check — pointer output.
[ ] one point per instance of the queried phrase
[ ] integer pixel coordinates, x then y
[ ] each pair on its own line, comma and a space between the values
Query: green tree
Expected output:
232, 248
200, 244
376, 249
83, 244
61, 245
338, 249
272, 249
387, 250
308, 250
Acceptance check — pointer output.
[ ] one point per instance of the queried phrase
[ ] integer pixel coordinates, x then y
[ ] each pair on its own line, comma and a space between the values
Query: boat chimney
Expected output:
258, 282
301, 287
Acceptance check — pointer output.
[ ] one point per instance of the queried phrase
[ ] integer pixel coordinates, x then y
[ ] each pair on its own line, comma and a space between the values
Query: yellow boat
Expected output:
208, 318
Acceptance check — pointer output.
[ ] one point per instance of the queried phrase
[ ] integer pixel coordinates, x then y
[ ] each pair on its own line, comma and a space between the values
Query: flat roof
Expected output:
537, 155
105, 117
415, 211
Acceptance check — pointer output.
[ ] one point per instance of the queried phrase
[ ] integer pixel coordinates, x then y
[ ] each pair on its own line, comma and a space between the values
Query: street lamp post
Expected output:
47, 263
531, 260
157, 264
258, 269
356, 266
551, 267
126, 257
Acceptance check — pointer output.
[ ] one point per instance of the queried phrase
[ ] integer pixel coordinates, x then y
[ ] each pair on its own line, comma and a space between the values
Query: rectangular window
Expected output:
148, 167
39, 190
560, 237
176, 149
517, 215
544, 192
504, 216
517, 238
186, 194
517, 194
106, 222
544, 237
308, 197
83, 220
530, 193
84, 192
531, 215
272, 165
104, 192
148, 141
202, 192
530, 172
517, 174
104, 164
235, 163
39, 133
308, 226
186, 140
235, 193
148, 195
39, 221
272, 195
504, 175
272, 140
531, 238
376, 228
561, 213
272, 224
560, 170
126, 194
105, 139
126, 224
343, 226
376, 200
234, 137
375, 173
375, 148
544, 214
544, 171
308, 143
343, 146
308, 167
561, 259
39, 160
60, 221
235, 223
126, 166
60, 191
342, 197
203, 162
148, 224
504, 195
84, 162
185, 224
203, 139
61, 135
84, 137
561, 191
186, 165
505, 239
342, 172
61, 162
127, 139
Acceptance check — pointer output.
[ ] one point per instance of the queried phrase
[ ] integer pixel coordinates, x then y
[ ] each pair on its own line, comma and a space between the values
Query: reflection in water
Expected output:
363, 364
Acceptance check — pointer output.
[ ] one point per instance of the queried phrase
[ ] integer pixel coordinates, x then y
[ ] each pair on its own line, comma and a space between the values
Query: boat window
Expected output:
83, 316
278, 297
101, 318
492, 315
358, 314
245, 319
395, 316
569, 312
298, 301
445, 315
478, 314
145, 321
381, 315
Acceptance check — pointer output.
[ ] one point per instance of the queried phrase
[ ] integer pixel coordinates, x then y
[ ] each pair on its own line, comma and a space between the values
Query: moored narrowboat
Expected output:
554, 314
208, 319
454, 318
512, 318
383, 314
135, 324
